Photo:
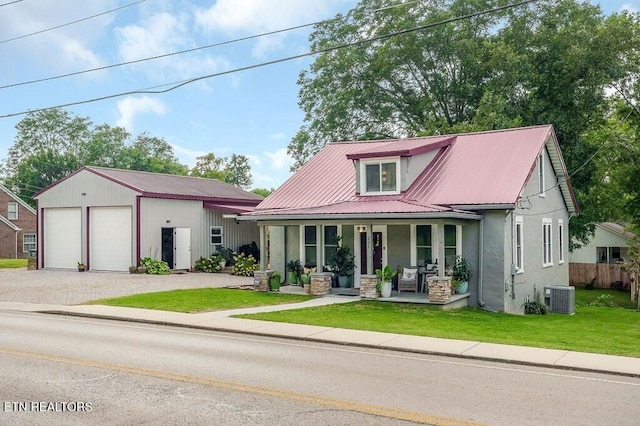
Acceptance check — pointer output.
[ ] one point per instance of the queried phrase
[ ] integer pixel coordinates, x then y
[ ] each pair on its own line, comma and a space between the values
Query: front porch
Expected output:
455, 301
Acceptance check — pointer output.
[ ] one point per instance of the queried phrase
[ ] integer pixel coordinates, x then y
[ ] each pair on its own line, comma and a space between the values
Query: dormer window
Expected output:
380, 176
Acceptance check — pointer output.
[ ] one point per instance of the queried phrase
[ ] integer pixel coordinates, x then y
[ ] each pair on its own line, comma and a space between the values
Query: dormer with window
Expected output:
391, 169
381, 176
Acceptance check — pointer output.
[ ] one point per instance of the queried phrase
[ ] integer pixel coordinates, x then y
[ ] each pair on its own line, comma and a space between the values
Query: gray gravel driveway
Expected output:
73, 287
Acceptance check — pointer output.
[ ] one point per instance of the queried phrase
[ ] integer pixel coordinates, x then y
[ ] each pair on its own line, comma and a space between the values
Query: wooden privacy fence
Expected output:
581, 274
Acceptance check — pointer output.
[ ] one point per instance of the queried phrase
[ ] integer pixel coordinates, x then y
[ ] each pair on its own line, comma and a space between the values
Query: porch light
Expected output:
362, 228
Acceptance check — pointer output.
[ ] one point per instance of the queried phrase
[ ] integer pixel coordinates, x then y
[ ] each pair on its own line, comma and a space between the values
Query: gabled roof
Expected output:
10, 224
158, 185
17, 198
617, 229
468, 172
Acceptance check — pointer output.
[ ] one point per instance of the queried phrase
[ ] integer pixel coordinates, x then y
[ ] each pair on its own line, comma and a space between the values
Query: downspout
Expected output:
481, 263
512, 268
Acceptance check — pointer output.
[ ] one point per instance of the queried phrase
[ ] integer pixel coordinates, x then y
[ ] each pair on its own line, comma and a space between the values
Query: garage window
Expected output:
28, 243
216, 235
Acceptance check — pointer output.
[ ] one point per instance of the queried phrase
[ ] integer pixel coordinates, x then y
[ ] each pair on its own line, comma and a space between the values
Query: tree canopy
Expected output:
549, 62
51, 144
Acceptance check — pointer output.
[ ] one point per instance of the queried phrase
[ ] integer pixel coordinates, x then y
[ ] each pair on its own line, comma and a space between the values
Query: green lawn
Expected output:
598, 329
607, 330
202, 300
13, 263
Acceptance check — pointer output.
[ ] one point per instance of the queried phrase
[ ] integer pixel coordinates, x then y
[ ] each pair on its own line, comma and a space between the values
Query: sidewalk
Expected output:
222, 321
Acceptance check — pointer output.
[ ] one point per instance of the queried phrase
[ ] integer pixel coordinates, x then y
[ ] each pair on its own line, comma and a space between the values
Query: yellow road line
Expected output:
341, 404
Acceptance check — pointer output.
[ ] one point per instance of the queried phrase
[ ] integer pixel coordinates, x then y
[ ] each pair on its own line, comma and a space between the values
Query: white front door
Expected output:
181, 248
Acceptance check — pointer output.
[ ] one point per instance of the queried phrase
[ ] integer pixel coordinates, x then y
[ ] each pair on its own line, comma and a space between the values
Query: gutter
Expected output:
359, 217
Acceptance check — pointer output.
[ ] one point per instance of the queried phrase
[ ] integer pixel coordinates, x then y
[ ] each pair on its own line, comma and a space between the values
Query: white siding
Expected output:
158, 213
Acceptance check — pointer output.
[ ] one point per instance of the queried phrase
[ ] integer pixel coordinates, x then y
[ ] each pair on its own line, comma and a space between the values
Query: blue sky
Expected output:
253, 112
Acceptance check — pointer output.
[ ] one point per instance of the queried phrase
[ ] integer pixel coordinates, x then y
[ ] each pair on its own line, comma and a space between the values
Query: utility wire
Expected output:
176, 85
69, 23
11, 2
194, 49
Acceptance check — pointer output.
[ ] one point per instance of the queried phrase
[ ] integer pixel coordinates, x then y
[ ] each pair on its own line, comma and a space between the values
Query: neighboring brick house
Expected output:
17, 226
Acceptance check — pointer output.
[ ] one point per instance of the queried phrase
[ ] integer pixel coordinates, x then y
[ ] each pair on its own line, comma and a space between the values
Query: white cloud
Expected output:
279, 159
277, 136
161, 34
79, 55
258, 16
130, 107
629, 8
65, 48
156, 35
187, 156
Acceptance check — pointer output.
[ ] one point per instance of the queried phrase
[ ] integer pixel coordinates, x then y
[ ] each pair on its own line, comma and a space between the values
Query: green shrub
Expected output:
209, 264
604, 300
244, 265
535, 308
155, 267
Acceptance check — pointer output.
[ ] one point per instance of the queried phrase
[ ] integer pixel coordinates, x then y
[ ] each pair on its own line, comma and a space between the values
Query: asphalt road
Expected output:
144, 374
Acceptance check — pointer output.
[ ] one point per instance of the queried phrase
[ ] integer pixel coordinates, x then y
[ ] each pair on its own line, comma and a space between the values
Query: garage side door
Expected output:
110, 238
62, 238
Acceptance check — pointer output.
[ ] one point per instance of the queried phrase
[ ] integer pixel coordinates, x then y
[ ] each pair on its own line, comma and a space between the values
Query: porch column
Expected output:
369, 248
319, 248
263, 249
440, 237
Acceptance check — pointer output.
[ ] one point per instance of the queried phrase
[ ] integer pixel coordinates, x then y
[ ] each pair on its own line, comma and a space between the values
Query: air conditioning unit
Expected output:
560, 299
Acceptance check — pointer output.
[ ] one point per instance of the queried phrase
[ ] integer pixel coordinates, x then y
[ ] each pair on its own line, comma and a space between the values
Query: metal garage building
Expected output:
108, 219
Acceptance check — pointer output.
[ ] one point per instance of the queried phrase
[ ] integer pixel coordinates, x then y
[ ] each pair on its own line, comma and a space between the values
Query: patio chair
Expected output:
408, 279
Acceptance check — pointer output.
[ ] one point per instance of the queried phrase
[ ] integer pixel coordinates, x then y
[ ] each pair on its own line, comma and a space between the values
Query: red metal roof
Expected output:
158, 185
475, 169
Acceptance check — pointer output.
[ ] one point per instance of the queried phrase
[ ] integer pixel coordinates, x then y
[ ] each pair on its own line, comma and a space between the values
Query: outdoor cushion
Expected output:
408, 273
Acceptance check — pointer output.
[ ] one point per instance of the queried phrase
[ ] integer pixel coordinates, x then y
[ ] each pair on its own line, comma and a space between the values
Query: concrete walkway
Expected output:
222, 321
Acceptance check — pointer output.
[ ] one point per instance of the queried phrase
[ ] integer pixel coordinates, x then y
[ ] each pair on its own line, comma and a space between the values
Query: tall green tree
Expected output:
51, 144
238, 171
209, 166
550, 62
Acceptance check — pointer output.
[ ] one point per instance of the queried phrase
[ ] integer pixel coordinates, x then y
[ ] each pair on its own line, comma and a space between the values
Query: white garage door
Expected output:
62, 238
110, 238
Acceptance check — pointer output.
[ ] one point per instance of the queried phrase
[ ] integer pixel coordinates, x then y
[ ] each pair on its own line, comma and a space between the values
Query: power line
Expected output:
194, 49
176, 85
11, 2
68, 23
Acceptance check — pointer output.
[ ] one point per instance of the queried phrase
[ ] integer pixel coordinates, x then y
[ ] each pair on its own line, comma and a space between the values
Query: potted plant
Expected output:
295, 271
81, 267
224, 256
385, 275
274, 281
342, 263
460, 275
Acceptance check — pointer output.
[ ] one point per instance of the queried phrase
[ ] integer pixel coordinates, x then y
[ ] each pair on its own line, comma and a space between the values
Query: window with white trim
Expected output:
217, 237
12, 211
560, 241
519, 245
541, 174
450, 246
330, 242
28, 243
547, 252
424, 245
310, 243
380, 177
